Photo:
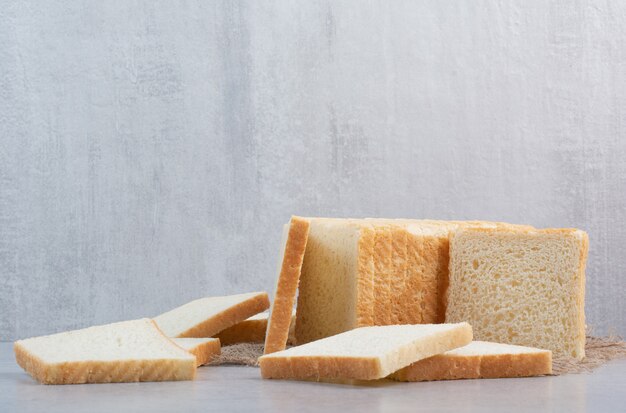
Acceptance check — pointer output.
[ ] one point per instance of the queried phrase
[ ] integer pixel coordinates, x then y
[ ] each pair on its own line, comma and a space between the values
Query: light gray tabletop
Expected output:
237, 388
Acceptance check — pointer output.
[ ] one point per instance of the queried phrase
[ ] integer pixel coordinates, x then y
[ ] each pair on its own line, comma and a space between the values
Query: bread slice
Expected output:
479, 360
364, 353
205, 349
208, 316
127, 351
336, 291
295, 237
520, 286
252, 330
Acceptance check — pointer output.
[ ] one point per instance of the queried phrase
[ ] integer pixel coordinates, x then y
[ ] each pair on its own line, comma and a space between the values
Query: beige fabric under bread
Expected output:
296, 236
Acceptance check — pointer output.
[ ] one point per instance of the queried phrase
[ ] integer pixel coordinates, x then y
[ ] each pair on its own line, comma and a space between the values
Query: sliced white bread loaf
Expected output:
204, 349
336, 291
479, 360
208, 316
295, 236
252, 330
363, 272
127, 351
518, 286
364, 353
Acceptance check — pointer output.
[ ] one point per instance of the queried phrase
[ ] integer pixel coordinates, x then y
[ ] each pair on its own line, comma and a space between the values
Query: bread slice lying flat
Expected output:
208, 316
205, 349
252, 330
364, 353
479, 360
520, 286
295, 236
127, 351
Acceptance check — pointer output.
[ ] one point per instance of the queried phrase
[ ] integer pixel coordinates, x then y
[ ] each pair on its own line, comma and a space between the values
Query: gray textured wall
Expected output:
150, 151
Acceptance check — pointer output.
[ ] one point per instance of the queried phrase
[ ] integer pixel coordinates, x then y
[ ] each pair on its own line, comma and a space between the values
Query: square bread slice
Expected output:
127, 351
208, 316
479, 360
364, 353
336, 291
295, 236
252, 330
520, 286
205, 349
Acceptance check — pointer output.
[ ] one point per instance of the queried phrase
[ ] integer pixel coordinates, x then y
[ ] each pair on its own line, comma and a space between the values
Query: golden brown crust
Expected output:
454, 367
282, 308
229, 317
79, 372
246, 331
584, 250
365, 277
382, 267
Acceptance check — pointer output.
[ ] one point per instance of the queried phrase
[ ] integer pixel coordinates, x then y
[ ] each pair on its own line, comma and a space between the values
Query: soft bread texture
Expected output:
294, 244
364, 272
364, 353
208, 316
336, 290
479, 360
204, 349
520, 286
127, 351
252, 330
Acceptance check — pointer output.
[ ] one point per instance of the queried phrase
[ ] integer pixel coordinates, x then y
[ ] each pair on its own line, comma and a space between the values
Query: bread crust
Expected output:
287, 285
80, 372
365, 277
488, 366
229, 317
206, 351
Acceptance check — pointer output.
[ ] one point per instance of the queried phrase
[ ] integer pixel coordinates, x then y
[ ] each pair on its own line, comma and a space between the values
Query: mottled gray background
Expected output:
150, 151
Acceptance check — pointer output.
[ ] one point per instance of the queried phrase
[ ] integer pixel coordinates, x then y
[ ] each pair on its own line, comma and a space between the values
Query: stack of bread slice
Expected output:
381, 272
515, 284
168, 347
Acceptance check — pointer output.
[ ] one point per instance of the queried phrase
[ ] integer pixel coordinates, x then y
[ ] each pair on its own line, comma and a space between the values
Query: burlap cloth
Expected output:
598, 351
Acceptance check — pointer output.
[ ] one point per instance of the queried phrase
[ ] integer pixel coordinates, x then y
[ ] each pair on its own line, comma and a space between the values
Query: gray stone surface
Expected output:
235, 388
150, 150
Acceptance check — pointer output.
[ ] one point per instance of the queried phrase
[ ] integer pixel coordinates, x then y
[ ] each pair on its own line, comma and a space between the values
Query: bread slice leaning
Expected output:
479, 360
364, 353
205, 349
295, 237
208, 316
127, 351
